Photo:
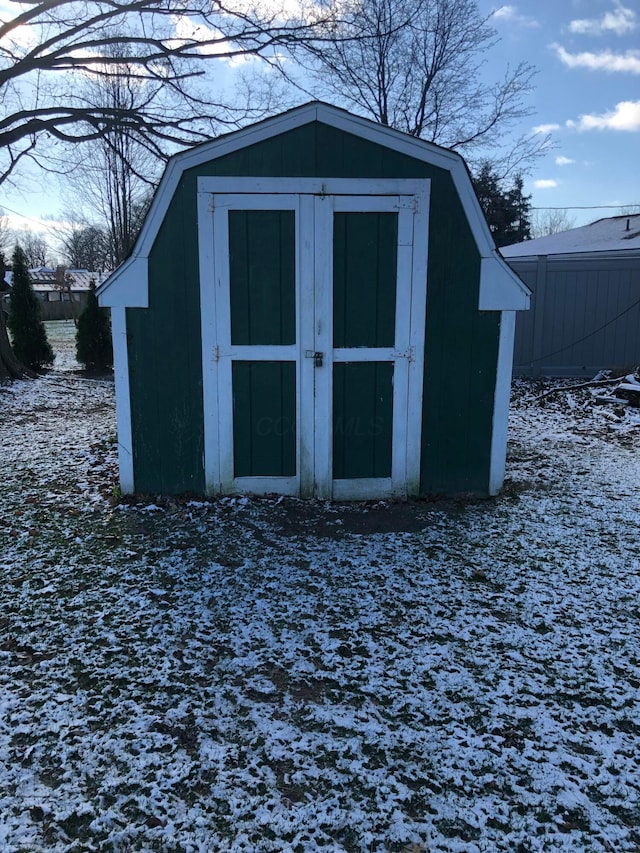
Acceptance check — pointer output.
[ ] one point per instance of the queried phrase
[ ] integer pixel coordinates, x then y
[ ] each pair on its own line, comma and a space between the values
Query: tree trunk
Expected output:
10, 367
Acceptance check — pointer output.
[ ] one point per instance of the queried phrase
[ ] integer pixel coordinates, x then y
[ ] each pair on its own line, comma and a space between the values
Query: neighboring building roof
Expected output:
44, 279
614, 234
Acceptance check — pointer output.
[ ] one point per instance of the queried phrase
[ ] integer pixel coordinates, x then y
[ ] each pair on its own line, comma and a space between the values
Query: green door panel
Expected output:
364, 279
362, 419
264, 418
262, 276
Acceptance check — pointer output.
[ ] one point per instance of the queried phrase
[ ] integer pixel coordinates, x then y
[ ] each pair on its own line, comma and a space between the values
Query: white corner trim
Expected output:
501, 402
500, 288
128, 286
123, 399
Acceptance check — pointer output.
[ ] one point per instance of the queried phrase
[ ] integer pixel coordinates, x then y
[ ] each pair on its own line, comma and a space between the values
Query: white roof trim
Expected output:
500, 287
132, 290
124, 285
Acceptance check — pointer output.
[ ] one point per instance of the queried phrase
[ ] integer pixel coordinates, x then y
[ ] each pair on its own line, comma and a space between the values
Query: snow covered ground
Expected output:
253, 675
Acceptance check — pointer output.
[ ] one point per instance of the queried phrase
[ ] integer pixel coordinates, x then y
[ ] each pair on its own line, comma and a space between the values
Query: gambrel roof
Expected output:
500, 287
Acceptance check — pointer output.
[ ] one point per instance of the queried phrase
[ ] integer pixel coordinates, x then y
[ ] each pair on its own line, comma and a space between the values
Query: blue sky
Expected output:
587, 95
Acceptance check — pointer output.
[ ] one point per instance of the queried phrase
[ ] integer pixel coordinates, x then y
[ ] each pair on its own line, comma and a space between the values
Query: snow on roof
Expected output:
613, 234
44, 278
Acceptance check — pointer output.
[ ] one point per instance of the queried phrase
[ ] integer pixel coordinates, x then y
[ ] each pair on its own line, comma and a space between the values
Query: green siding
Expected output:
460, 360
362, 419
264, 418
262, 269
461, 344
165, 365
364, 279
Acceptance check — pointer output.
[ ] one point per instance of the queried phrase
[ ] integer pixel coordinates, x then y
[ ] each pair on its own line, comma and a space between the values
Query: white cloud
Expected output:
511, 15
37, 224
625, 117
604, 60
545, 128
622, 20
506, 13
545, 184
564, 161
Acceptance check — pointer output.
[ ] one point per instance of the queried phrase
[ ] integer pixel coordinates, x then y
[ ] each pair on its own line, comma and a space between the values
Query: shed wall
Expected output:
461, 343
584, 317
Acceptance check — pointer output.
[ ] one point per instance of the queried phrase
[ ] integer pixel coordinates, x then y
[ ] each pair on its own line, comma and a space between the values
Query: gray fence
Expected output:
584, 316
57, 310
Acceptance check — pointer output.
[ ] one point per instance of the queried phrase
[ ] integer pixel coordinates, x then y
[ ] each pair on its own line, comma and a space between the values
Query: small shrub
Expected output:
93, 338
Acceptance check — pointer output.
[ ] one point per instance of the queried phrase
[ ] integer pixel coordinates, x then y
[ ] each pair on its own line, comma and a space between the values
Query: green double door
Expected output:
313, 341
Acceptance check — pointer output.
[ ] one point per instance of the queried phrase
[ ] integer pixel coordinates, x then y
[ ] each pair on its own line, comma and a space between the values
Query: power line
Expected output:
39, 222
589, 207
586, 337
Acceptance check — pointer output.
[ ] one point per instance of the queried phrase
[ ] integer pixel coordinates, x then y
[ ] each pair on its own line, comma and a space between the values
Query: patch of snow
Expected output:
194, 677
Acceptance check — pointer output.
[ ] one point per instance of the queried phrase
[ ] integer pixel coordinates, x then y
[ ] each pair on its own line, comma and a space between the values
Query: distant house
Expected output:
57, 289
585, 307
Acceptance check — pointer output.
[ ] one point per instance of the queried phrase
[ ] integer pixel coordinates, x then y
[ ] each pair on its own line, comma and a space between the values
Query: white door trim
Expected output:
315, 186
417, 333
410, 303
227, 352
313, 201
209, 287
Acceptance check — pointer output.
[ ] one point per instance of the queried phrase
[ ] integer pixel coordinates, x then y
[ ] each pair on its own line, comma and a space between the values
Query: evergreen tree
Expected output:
30, 343
507, 210
10, 367
93, 338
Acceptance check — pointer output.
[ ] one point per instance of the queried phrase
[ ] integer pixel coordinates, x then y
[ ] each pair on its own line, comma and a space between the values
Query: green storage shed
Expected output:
314, 307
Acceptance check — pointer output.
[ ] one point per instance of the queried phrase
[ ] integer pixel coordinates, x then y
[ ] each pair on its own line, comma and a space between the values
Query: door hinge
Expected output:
407, 353
408, 202
212, 204
216, 353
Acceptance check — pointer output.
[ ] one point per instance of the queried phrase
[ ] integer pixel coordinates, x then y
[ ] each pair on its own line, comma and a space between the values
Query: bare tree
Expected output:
6, 234
47, 49
416, 65
64, 282
550, 221
113, 177
85, 247
34, 247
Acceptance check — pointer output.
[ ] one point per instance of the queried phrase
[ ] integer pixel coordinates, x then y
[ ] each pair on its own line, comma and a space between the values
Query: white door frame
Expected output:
313, 201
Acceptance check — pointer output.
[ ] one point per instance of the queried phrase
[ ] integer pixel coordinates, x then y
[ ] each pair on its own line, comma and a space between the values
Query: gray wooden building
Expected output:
314, 307
585, 305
